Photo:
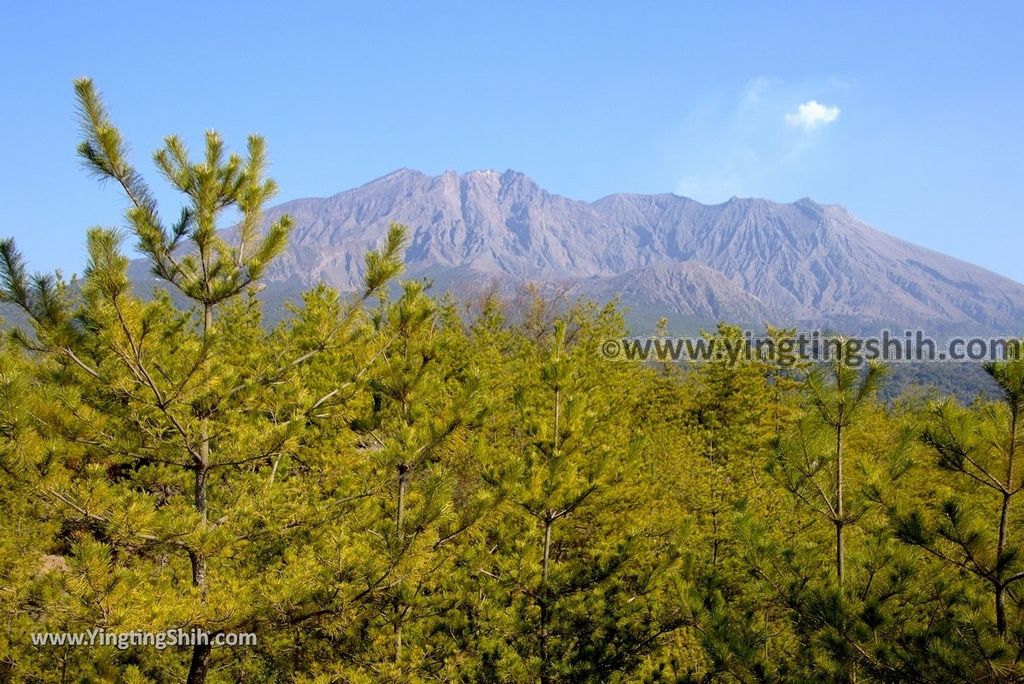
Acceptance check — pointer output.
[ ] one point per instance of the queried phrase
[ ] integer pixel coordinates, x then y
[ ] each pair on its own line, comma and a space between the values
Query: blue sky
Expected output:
912, 117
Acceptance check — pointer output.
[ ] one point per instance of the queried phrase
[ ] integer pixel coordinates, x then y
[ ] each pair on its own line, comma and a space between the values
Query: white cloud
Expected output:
811, 115
731, 142
754, 91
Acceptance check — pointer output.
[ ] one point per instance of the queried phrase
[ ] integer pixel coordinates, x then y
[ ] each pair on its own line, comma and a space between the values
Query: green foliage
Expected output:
214, 271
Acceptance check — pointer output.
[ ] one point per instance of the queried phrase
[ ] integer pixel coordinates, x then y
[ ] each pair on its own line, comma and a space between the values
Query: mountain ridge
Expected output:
750, 260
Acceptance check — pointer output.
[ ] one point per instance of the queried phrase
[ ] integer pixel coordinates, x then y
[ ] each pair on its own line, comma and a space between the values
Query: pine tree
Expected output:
971, 530
572, 575
818, 475
183, 435
213, 272
426, 406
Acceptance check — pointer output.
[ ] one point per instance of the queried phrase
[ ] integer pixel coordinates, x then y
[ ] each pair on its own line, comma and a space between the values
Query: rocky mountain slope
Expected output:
745, 260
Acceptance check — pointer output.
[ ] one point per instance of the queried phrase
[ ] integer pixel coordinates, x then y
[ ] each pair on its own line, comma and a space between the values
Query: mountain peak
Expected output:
404, 172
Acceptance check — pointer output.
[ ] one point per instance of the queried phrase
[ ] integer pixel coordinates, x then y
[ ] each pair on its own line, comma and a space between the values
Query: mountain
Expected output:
745, 260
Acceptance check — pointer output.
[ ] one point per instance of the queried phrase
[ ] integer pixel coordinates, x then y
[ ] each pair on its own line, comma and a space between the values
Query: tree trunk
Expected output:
1005, 508
549, 521
200, 664
840, 520
202, 475
715, 540
1004, 521
207, 321
200, 652
403, 471
545, 617
1004, 518
1001, 610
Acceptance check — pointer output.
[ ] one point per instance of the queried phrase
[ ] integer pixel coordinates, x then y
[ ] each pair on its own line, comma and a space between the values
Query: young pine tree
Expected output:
180, 441
814, 466
972, 528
